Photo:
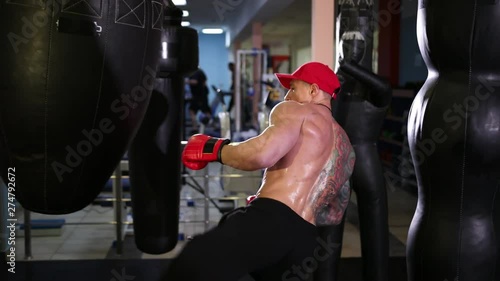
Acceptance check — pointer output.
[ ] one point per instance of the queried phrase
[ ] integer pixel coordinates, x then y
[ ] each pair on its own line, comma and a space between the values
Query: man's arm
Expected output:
264, 150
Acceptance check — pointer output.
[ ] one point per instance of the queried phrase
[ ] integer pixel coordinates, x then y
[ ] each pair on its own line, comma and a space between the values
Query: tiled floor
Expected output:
88, 234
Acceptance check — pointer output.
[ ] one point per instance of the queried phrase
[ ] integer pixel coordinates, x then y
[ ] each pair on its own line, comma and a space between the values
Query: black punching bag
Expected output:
360, 108
155, 154
454, 138
75, 81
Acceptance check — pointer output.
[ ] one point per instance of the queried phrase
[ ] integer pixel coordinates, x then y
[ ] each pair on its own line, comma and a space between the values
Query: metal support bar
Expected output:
123, 177
207, 199
192, 221
117, 204
98, 223
241, 64
27, 235
112, 200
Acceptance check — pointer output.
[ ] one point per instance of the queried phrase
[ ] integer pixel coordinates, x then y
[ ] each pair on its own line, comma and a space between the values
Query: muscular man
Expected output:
308, 160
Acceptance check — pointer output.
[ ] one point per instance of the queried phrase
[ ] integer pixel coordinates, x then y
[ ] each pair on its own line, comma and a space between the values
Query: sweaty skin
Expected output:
307, 156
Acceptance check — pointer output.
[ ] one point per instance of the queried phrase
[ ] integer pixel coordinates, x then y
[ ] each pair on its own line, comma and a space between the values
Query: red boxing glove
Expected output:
202, 149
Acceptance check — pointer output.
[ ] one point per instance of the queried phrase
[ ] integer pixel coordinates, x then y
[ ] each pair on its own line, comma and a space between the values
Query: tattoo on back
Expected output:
332, 190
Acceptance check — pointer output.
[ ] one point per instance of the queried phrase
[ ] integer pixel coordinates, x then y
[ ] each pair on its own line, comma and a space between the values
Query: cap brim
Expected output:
285, 79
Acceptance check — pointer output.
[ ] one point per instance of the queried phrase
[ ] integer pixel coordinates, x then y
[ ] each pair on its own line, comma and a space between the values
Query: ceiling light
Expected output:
185, 23
212, 30
164, 53
179, 2
185, 13
228, 39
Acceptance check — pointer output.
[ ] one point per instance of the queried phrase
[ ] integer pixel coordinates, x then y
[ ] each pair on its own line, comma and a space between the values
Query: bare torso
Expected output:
312, 178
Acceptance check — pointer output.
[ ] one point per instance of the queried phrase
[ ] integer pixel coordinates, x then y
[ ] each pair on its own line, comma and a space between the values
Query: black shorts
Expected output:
266, 239
199, 103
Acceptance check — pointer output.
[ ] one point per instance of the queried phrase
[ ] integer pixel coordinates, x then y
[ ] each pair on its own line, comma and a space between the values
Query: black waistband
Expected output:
279, 209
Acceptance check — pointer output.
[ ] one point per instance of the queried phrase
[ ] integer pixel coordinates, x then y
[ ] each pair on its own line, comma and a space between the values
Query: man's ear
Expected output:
315, 89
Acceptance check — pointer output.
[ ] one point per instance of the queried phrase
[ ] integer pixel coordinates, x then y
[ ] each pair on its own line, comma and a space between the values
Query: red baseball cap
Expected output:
313, 73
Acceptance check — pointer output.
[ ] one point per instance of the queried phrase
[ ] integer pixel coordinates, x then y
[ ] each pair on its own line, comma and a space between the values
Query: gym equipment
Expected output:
47, 227
154, 156
242, 106
75, 82
454, 136
360, 108
225, 124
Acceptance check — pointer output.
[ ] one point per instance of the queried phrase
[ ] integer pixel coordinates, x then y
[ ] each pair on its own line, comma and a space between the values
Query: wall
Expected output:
300, 49
214, 57
303, 55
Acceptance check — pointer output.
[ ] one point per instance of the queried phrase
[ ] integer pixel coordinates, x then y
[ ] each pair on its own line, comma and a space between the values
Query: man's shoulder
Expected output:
288, 109
287, 105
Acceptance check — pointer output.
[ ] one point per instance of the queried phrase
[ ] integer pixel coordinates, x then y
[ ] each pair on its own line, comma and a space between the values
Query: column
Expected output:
323, 32
235, 47
389, 21
257, 71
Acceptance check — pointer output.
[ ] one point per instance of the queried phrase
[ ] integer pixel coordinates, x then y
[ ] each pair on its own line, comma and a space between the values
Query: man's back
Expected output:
312, 178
